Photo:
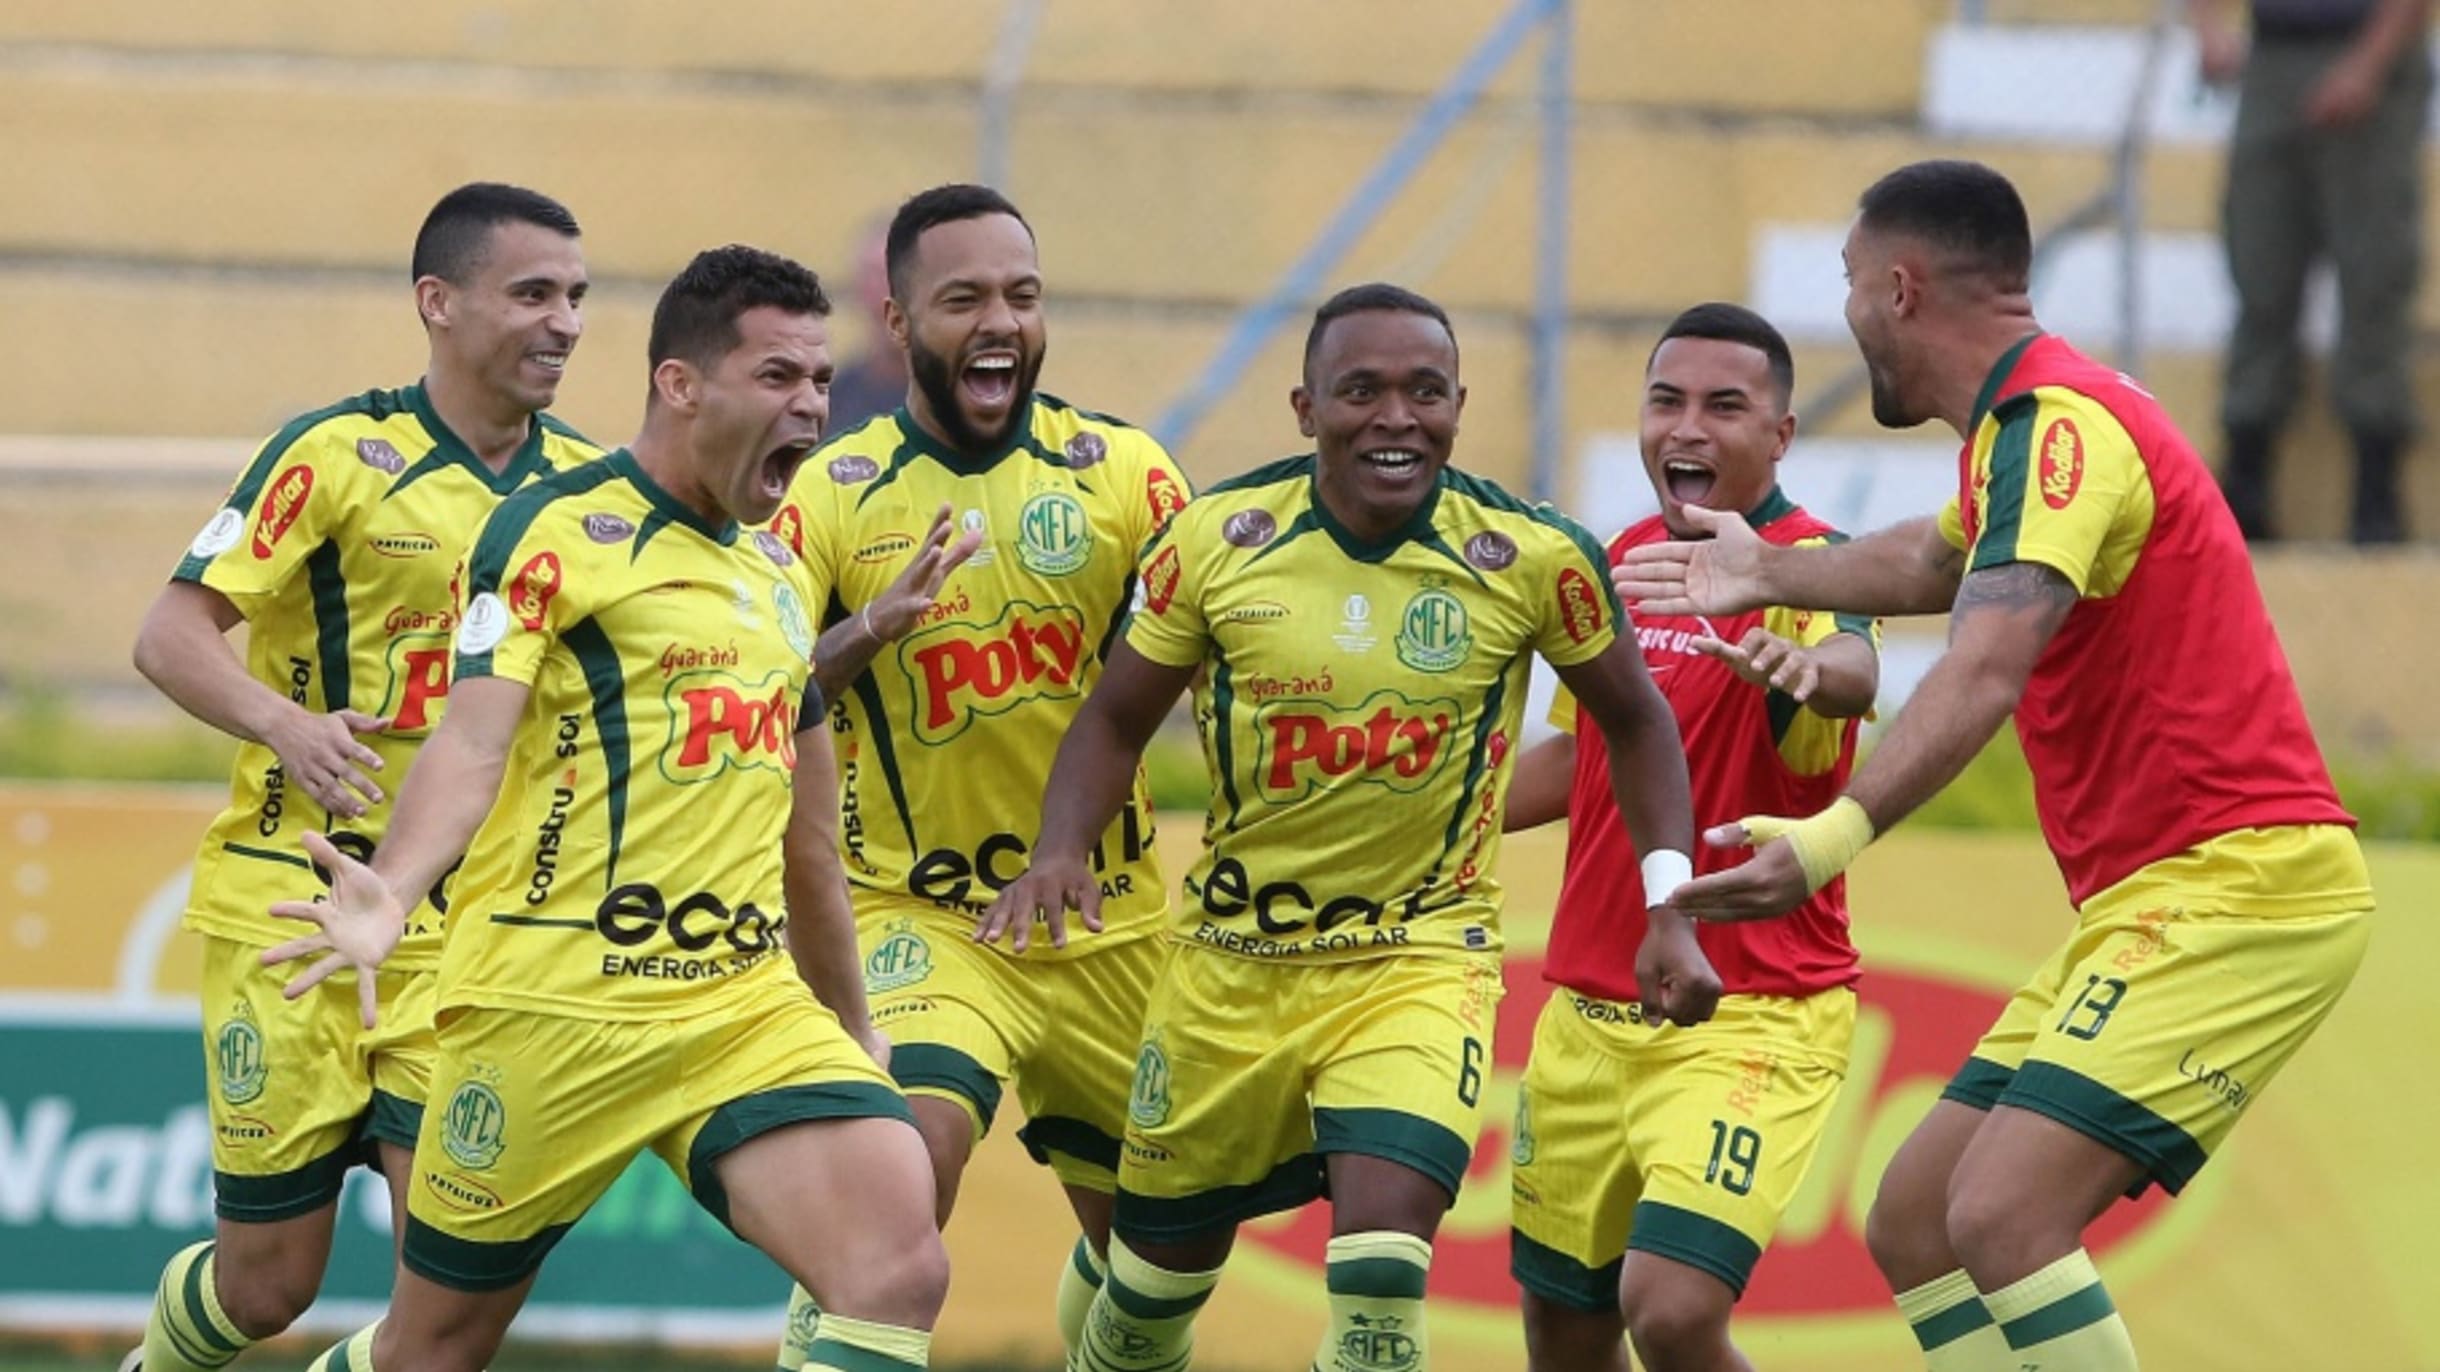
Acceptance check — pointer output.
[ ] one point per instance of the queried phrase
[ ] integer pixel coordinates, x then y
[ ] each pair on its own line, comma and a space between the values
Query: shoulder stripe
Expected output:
508, 524
2004, 496
1492, 495
1046, 398
1268, 474
553, 424
373, 404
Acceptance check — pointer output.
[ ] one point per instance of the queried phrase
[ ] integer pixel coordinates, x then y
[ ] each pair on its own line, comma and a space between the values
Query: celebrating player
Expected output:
619, 751
338, 548
947, 738
1359, 624
2099, 591
1652, 1165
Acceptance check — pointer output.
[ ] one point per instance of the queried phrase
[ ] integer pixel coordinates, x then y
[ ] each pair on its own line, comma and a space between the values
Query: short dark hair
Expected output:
696, 320
1964, 209
450, 244
1371, 297
928, 209
1717, 319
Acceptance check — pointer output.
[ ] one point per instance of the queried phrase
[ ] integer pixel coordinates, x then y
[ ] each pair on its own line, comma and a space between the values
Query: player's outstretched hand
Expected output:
1674, 980
321, 755
1765, 659
360, 923
895, 611
1770, 883
1049, 889
1719, 575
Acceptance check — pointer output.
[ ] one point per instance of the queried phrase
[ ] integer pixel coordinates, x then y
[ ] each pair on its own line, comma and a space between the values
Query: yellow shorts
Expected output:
1684, 1143
1252, 1072
300, 1090
964, 1020
534, 1116
2167, 1014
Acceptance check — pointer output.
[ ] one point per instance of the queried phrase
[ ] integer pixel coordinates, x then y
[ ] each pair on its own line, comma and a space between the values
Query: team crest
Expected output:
793, 621
1520, 1146
475, 1129
804, 1325
1381, 1343
1148, 1101
898, 961
1432, 634
1053, 535
238, 1053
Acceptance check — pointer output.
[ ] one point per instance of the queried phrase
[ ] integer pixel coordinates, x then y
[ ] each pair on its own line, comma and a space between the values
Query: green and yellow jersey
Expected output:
340, 544
946, 742
632, 861
1360, 708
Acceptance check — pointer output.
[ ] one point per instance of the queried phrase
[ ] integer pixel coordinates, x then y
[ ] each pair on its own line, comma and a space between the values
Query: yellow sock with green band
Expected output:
2061, 1319
1955, 1331
846, 1345
1376, 1285
804, 1322
1144, 1318
1825, 843
188, 1331
1080, 1279
354, 1355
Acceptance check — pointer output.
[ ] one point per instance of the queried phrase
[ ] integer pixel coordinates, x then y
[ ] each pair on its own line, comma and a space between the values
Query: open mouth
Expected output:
556, 363
990, 379
1395, 463
779, 466
1689, 482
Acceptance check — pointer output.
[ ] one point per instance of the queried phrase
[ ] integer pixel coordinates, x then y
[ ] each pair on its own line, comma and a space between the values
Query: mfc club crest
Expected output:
898, 961
238, 1054
1148, 1102
475, 1130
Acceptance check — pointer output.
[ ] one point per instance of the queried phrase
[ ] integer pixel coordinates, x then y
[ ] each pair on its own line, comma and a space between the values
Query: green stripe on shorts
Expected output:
1170, 1219
469, 1265
394, 1120
1978, 1083
749, 1117
938, 1067
1065, 1134
1426, 1145
283, 1195
1699, 1241
2168, 1153
1556, 1277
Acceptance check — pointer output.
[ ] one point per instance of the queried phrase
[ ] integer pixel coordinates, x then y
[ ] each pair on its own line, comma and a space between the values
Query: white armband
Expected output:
1665, 870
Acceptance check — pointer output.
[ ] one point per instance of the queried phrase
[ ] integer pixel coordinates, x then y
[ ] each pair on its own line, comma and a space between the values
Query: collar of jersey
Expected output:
1989, 395
914, 435
1774, 507
666, 508
448, 447
1417, 525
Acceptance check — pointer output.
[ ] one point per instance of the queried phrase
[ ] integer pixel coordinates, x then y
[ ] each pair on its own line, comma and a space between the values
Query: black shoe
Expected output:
2246, 482
2380, 510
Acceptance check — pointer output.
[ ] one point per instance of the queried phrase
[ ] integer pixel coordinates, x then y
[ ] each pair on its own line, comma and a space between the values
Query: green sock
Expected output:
1954, 1328
846, 1345
354, 1355
804, 1322
1080, 1280
188, 1331
1144, 1318
2061, 1319
1376, 1303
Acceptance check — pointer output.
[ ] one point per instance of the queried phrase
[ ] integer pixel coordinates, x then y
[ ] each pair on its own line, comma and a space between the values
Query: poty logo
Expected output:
959, 670
531, 590
718, 720
419, 680
1389, 739
281, 507
2062, 470
1912, 1032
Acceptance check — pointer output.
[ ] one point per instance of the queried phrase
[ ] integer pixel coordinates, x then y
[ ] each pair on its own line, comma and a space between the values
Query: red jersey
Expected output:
1749, 750
2162, 714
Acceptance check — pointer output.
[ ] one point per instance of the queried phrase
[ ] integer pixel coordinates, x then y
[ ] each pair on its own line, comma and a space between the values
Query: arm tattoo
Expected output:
2014, 587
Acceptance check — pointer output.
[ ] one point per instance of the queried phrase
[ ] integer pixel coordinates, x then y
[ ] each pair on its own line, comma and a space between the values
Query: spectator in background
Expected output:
2326, 160
876, 381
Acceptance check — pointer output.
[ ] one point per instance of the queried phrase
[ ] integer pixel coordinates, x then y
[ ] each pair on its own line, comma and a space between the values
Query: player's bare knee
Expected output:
1992, 1232
1561, 1338
461, 1349
1673, 1325
264, 1299
904, 1285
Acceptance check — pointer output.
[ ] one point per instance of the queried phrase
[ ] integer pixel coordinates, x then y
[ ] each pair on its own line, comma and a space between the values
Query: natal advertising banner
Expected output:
2302, 1245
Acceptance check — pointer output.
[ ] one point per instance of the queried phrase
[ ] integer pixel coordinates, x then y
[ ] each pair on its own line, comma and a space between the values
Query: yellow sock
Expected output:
1080, 1280
804, 1321
1954, 1328
188, 1331
355, 1355
2061, 1319
1376, 1303
1144, 1318
846, 1345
